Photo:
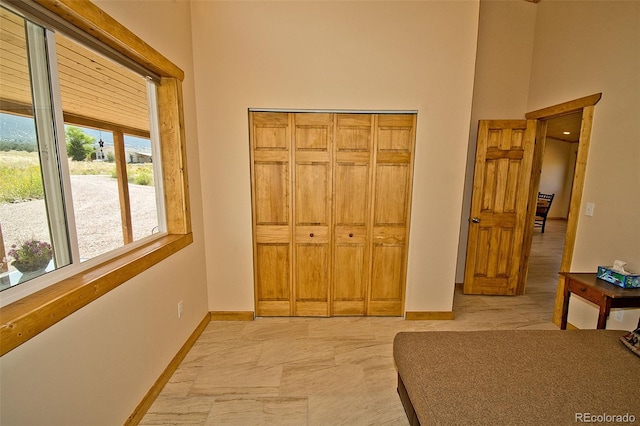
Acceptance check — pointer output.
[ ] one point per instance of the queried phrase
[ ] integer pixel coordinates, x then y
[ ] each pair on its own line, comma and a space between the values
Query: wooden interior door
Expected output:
392, 183
352, 199
270, 170
502, 174
312, 141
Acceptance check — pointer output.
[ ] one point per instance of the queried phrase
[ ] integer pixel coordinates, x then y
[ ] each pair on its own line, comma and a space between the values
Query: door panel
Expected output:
351, 193
387, 279
271, 176
311, 279
391, 194
394, 144
498, 207
313, 203
352, 217
271, 193
272, 278
312, 188
387, 267
354, 132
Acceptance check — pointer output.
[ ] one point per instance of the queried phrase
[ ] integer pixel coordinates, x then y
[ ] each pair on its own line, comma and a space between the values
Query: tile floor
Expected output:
331, 371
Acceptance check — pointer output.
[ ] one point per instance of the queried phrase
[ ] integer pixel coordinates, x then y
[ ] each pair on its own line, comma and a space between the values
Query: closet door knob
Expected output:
350, 235
311, 235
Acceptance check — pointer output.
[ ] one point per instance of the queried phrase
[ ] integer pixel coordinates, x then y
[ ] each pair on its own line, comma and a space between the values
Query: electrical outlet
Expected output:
180, 309
618, 315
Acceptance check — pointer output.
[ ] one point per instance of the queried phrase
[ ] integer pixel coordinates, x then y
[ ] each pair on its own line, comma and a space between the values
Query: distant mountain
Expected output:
14, 128
21, 130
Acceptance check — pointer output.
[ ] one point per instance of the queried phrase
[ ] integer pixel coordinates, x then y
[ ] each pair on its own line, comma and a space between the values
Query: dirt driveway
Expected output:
97, 215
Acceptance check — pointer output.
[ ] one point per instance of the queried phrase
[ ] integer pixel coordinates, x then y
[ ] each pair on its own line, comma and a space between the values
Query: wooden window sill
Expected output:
27, 317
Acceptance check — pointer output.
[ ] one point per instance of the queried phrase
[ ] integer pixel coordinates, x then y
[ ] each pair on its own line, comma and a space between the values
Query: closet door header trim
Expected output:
335, 111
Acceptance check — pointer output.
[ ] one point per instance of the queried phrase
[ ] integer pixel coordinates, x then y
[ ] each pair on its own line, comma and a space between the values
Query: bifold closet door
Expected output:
271, 183
352, 217
395, 140
331, 196
312, 154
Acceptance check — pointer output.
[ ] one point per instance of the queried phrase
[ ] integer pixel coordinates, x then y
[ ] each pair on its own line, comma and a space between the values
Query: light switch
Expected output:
589, 209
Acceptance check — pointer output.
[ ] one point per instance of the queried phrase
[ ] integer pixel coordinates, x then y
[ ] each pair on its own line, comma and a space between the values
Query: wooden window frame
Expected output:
29, 316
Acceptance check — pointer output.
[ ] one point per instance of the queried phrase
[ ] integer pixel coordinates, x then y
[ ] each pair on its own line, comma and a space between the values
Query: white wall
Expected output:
334, 55
503, 65
582, 48
94, 367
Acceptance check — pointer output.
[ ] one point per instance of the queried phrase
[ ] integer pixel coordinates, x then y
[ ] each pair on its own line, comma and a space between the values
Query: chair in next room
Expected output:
542, 210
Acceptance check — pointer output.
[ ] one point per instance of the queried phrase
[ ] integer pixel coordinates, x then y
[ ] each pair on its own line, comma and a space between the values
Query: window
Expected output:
36, 98
91, 186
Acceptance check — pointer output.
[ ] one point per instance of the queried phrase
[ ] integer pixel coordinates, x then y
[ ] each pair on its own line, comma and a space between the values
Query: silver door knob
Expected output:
475, 219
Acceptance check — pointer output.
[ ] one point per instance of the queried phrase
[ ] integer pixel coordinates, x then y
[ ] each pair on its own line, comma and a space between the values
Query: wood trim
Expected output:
428, 315
564, 108
534, 183
26, 110
4, 266
174, 156
574, 206
31, 315
144, 405
587, 105
232, 315
123, 187
94, 21
79, 120
577, 188
571, 327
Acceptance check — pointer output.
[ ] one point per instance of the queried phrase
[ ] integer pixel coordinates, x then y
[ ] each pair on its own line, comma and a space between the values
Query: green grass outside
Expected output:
20, 178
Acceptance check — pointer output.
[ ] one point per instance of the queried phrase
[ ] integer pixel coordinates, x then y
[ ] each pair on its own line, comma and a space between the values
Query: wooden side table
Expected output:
602, 293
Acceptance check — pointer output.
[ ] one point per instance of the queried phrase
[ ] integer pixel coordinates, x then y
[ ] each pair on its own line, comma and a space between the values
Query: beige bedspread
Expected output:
511, 377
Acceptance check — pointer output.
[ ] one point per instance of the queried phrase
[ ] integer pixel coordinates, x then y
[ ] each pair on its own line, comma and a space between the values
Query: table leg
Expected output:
605, 307
565, 306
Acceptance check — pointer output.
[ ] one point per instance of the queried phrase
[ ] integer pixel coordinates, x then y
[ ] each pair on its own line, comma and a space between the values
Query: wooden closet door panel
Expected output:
350, 279
270, 131
312, 155
271, 199
273, 284
391, 194
312, 279
351, 256
351, 193
394, 144
312, 193
271, 189
387, 282
354, 132
352, 212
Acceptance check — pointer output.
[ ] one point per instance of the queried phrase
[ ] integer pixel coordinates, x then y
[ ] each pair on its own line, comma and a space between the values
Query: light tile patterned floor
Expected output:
331, 371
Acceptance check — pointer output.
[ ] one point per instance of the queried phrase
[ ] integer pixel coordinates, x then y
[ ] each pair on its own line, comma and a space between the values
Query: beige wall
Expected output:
503, 65
583, 48
334, 55
556, 177
94, 366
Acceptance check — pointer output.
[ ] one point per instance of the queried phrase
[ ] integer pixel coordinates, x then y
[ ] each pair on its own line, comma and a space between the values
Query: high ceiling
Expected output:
91, 86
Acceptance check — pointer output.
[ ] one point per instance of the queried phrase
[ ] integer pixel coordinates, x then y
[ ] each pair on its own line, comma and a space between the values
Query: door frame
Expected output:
587, 105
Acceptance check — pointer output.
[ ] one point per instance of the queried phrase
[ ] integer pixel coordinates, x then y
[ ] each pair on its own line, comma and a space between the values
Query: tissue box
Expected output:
621, 280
